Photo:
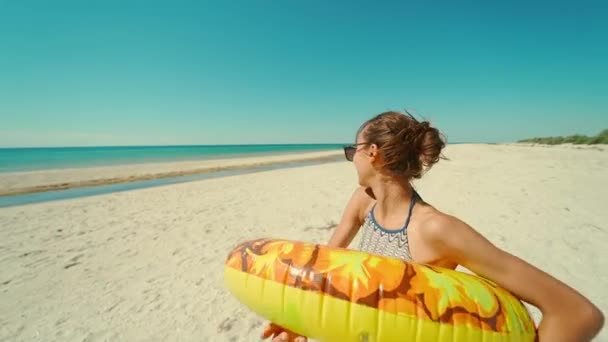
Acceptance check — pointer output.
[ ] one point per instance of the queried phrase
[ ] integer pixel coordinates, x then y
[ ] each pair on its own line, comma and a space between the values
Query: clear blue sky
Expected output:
223, 72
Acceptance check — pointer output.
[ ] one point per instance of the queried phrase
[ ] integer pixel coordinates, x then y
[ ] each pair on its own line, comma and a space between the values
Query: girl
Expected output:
390, 150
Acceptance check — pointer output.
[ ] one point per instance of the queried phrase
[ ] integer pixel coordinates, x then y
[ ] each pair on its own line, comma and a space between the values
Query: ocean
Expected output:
30, 159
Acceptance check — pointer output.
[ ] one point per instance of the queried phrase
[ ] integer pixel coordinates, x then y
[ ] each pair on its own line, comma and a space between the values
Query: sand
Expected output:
146, 265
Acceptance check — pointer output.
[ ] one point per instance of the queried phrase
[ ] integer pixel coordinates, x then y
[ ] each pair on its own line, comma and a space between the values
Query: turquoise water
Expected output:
28, 159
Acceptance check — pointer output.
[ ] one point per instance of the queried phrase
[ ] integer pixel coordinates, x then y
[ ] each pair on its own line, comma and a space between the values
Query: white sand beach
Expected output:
146, 265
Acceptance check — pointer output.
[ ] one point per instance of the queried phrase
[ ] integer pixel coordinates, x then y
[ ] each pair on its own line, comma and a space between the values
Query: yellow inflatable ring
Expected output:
333, 294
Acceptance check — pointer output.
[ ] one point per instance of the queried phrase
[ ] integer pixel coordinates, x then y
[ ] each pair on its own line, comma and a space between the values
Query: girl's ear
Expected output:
373, 152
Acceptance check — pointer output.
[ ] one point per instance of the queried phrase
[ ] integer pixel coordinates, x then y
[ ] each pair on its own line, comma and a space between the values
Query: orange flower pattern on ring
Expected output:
388, 284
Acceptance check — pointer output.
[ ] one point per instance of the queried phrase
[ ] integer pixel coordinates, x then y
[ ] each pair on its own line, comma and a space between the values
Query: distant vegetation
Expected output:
578, 139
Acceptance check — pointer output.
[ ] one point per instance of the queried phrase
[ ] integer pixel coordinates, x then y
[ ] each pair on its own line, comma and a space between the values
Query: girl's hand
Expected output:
280, 334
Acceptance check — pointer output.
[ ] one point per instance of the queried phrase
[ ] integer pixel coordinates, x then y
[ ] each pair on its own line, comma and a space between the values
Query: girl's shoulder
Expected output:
436, 223
364, 200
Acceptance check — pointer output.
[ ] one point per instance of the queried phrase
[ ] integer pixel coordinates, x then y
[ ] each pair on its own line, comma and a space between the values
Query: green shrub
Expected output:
578, 139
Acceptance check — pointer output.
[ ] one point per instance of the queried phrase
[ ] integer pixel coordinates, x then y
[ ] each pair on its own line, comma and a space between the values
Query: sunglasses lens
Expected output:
349, 152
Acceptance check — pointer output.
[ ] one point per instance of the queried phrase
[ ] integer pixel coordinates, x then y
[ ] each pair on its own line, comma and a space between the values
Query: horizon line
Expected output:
208, 145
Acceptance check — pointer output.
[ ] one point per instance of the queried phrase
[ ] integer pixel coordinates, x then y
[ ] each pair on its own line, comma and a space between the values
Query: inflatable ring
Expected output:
334, 294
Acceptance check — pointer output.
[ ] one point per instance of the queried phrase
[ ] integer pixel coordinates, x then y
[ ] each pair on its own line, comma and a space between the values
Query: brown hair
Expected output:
407, 146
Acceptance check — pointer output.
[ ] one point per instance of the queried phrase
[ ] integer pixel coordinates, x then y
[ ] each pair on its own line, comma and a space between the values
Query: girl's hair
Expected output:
407, 147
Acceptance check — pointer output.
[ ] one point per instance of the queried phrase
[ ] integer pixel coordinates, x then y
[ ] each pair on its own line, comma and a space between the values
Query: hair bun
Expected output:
408, 147
421, 131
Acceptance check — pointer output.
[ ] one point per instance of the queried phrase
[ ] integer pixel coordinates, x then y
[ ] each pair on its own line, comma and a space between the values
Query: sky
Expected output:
81, 73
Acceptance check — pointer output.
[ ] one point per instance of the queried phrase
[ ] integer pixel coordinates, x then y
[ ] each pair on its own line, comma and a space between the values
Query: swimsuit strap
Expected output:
407, 222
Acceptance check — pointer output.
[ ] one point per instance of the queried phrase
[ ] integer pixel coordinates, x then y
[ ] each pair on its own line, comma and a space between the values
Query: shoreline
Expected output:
29, 182
138, 155
39, 181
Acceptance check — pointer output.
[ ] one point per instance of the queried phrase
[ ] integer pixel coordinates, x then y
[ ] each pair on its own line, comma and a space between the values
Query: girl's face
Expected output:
363, 158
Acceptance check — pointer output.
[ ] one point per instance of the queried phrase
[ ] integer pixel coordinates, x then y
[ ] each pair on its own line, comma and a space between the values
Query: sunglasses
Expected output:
350, 150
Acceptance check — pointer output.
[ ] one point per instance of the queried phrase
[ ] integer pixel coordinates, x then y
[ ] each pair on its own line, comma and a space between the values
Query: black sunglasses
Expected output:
349, 150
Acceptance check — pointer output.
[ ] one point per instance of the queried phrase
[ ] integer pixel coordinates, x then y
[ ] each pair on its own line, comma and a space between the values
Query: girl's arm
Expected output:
567, 315
352, 219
